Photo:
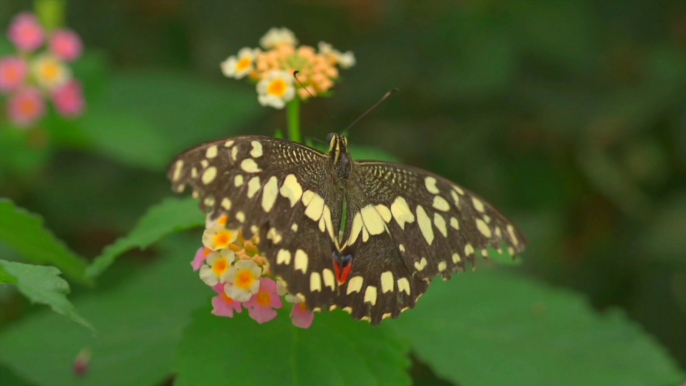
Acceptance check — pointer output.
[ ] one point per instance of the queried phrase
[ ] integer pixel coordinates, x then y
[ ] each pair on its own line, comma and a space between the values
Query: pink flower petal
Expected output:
262, 314
199, 258
26, 32
68, 99
224, 305
301, 317
26, 107
13, 72
66, 45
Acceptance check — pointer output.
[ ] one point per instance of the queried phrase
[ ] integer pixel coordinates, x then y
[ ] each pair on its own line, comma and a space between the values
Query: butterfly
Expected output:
363, 236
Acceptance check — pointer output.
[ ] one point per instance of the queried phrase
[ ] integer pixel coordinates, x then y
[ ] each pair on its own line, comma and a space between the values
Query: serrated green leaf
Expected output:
492, 328
42, 285
171, 215
25, 233
138, 323
336, 350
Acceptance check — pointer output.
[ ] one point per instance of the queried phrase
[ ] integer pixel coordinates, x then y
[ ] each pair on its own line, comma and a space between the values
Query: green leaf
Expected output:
491, 328
171, 215
145, 118
336, 350
139, 324
25, 233
41, 285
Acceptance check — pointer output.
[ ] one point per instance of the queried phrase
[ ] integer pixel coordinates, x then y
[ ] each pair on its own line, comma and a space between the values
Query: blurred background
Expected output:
569, 116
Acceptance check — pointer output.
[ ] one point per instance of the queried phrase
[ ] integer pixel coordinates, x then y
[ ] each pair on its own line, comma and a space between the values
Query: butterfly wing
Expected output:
434, 224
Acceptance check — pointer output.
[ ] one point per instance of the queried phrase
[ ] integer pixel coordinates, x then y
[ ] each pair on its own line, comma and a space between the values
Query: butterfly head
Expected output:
342, 264
340, 157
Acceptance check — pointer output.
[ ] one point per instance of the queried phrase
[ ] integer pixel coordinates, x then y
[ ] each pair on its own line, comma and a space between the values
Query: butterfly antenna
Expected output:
388, 94
295, 75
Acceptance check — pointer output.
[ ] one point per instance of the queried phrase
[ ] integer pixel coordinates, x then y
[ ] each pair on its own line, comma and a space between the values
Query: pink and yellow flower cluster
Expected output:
273, 65
39, 72
240, 276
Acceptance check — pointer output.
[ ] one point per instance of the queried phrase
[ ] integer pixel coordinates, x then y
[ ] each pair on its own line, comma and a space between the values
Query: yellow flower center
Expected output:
277, 88
245, 279
222, 239
50, 71
243, 64
223, 220
302, 306
264, 299
220, 266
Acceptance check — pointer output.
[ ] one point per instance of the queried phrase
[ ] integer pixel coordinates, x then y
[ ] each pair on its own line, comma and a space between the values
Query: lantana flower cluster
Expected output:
39, 72
272, 67
240, 276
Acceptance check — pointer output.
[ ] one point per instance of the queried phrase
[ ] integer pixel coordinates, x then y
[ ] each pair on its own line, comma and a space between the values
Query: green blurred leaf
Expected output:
336, 350
492, 328
145, 118
138, 323
171, 215
372, 154
664, 239
25, 233
20, 157
41, 285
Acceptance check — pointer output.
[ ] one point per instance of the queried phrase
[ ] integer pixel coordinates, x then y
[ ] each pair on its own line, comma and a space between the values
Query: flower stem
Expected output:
293, 111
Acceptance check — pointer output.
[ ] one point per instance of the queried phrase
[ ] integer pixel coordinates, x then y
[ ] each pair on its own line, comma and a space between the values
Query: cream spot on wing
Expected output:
401, 212
404, 285
430, 183
355, 229
315, 208
204, 163
425, 225
253, 186
329, 279
226, 204
211, 152
442, 266
256, 151
209, 201
234, 154
291, 189
354, 285
370, 295
456, 198
228, 143
238, 181
209, 175
315, 282
365, 234
386, 315
458, 189
294, 227
483, 228
249, 165
283, 257
347, 309
178, 167
456, 258
478, 205
421, 264
384, 212
269, 193
365, 319
372, 220
511, 231
439, 222
307, 197
387, 282
332, 307
454, 223
194, 172
441, 204
401, 247
468, 249
240, 216
326, 217
498, 232
301, 260
487, 218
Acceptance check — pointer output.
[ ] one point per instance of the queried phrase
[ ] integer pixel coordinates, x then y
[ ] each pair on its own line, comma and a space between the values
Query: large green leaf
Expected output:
492, 328
145, 118
169, 216
41, 285
138, 323
336, 350
25, 233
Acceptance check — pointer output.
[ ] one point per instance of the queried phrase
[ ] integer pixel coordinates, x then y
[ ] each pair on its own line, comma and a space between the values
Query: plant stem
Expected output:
293, 111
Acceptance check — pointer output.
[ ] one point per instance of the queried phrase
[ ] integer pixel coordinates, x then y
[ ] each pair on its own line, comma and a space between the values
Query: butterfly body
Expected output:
366, 237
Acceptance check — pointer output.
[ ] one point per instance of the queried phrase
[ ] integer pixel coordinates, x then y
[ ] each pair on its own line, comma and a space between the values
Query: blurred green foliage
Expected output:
569, 116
